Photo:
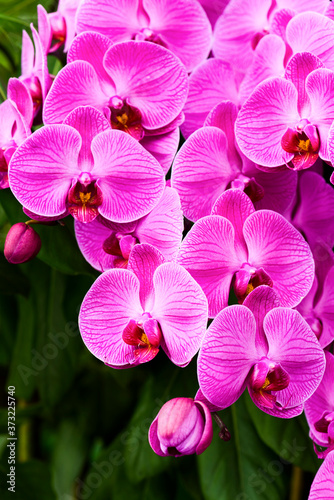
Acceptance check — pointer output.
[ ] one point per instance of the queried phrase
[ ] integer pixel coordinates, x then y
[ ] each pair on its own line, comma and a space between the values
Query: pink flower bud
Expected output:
22, 243
182, 427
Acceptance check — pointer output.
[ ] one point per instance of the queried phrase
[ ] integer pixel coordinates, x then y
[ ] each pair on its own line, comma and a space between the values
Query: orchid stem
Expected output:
296, 483
224, 433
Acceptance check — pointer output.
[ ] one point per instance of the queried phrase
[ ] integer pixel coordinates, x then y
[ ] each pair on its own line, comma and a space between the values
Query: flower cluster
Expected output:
235, 226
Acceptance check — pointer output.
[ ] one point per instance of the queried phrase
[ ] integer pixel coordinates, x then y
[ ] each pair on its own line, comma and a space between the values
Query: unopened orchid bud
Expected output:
182, 427
22, 243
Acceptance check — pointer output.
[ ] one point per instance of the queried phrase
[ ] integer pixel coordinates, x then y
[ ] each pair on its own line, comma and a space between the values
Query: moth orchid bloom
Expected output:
179, 25
317, 308
105, 244
322, 487
79, 166
319, 410
14, 128
35, 75
241, 247
128, 314
57, 28
287, 120
141, 89
182, 427
209, 163
269, 349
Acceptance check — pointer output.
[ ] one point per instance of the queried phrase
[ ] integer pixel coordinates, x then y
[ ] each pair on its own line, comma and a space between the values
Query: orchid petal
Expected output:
263, 120
325, 310
106, 310
322, 487
18, 93
162, 147
42, 169
131, 188
207, 252
181, 309
228, 349
201, 171
276, 246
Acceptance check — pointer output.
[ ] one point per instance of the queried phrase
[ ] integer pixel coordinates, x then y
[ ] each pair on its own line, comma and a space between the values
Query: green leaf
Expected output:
12, 280
243, 468
8, 325
287, 437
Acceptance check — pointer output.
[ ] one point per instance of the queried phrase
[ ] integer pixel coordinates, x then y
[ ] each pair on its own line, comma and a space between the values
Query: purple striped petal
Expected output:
109, 305
184, 28
288, 335
163, 147
323, 485
324, 309
181, 309
42, 169
207, 252
130, 189
263, 120
277, 247
17, 93
118, 21
151, 78
77, 84
235, 206
206, 91
228, 349
201, 171
163, 226
312, 32
320, 88
143, 262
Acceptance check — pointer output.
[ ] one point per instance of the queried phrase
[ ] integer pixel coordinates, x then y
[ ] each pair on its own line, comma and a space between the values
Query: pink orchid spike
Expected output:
129, 313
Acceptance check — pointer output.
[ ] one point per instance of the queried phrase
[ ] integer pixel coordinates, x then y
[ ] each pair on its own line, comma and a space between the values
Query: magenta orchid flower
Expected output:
106, 245
129, 313
209, 163
141, 89
79, 166
258, 345
179, 25
319, 410
287, 120
57, 28
322, 487
239, 246
182, 427
35, 75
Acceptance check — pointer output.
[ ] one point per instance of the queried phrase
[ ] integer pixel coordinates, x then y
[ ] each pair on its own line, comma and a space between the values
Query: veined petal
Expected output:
28, 54
163, 147
181, 309
263, 120
91, 47
151, 78
227, 355
312, 32
109, 305
143, 262
118, 21
325, 310
130, 189
235, 206
183, 26
77, 84
206, 91
42, 169
260, 301
207, 252
293, 344
323, 485
201, 171
89, 122
320, 88
18, 93
297, 6
276, 246
163, 226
